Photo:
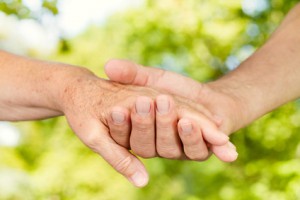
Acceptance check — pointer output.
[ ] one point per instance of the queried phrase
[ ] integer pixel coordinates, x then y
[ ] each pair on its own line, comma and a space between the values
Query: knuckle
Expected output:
92, 141
165, 123
170, 153
191, 142
167, 139
123, 165
143, 130
198, 156
194, 139
143, 123
144, 152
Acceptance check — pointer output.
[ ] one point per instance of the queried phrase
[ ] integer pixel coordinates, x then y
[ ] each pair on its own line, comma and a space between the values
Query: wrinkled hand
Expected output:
170, 133
87, 103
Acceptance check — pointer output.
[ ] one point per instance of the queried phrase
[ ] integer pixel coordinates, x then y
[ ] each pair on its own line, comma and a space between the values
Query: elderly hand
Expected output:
88, 101
32, 89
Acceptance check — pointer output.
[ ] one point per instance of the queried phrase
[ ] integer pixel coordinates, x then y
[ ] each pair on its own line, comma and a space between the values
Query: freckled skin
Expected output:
32, 89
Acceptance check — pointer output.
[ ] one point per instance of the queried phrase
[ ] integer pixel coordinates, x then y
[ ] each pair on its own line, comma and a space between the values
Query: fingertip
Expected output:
230, 158
111, 69
231, 145
135, 172
122, 71
119, 115
226, 153
185, 126
192, 140
118, 157
139, 179
110, 62
163, 104
223, 138
143, 106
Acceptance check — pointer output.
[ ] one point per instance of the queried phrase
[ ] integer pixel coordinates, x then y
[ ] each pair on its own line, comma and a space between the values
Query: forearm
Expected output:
31, 89
270, 77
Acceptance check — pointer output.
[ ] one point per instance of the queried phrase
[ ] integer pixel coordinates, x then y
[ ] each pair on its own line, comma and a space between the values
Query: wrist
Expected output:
63, 84
33, 89
228, 104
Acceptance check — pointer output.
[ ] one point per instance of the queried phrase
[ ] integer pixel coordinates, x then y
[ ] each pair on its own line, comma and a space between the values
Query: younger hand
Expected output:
226, 107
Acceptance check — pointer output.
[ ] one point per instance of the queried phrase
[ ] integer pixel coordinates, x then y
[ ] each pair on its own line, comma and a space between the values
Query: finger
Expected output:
127, 72
200, 109
96, 137
120, 126
210, 131
168, 144
194, 146
142, 139
212, 134
226, 153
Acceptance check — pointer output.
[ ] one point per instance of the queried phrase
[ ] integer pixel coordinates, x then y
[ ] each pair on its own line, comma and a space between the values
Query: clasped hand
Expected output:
111, 119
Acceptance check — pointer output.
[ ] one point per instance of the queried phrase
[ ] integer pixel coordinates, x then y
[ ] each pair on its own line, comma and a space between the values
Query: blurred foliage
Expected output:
19, 9
199, 38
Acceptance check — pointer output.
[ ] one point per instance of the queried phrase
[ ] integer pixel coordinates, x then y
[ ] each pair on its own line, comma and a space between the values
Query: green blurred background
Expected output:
199, 38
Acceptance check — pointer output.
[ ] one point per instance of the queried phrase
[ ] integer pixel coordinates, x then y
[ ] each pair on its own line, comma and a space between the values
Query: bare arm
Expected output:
268, 79
32, 89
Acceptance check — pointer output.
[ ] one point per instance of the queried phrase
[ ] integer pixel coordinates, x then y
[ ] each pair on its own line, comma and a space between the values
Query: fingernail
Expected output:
231, 151
224, 137
139, 179
118, 117
186, 128
143, 106
233, 154
232, 146
163, 104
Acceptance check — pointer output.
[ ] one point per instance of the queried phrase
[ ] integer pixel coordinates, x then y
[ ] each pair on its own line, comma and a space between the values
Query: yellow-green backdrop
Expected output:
202, 39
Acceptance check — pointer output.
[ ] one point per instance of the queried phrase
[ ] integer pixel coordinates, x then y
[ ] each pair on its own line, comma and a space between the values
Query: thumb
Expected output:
96, 136
127, 72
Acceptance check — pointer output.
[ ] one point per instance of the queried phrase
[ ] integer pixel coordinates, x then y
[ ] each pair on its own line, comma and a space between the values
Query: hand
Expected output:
87, 103
33, 89
226, 106
178, 135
